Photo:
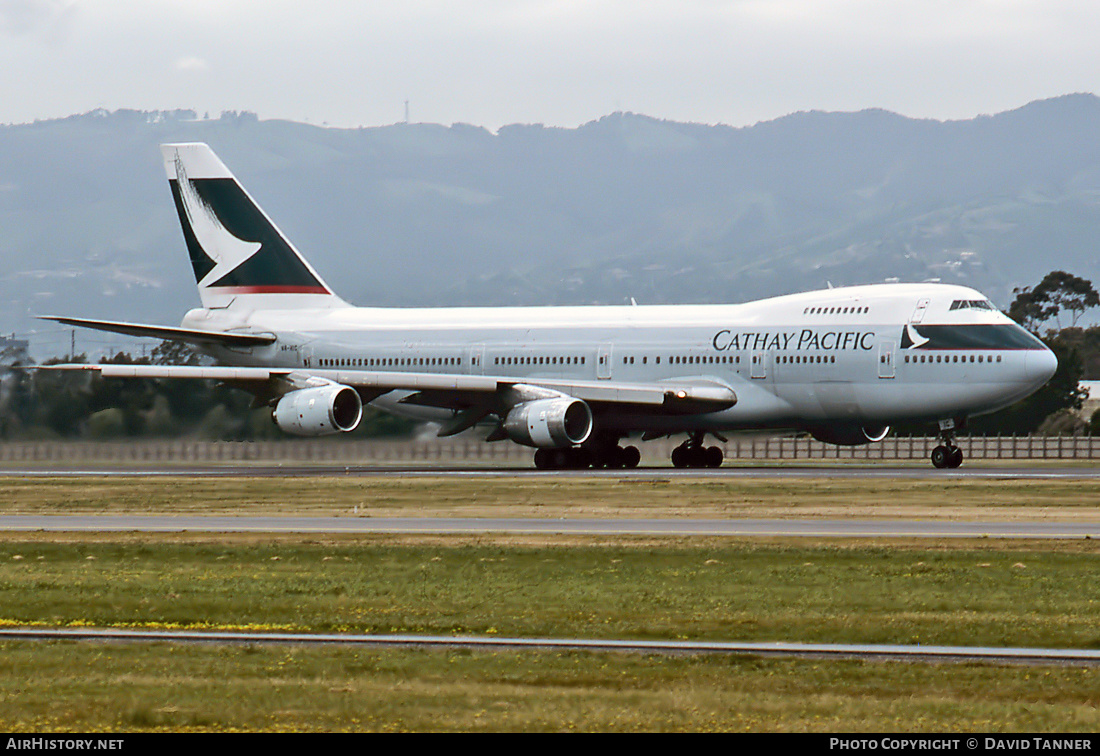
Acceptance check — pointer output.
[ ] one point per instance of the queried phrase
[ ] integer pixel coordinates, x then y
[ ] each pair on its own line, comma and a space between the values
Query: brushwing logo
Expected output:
911, 339
225, 250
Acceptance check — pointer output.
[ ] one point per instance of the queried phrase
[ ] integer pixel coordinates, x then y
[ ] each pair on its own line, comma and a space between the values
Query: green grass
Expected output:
1003, 594
116, 687
986, 592
1000, 593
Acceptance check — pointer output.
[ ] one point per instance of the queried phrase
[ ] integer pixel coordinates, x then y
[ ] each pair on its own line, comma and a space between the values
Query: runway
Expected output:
800, 527
1041, 471
790, 528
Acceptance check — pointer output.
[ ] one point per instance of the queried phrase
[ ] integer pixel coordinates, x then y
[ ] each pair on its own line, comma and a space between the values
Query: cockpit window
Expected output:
972, 304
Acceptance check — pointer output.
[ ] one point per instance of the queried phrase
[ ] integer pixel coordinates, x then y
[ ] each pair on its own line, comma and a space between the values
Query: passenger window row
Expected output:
389, 361
538, 360
804, 359
952, 358
836, 310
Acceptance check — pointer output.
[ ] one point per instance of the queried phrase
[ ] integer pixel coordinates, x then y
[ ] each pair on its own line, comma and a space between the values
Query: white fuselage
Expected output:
852, 356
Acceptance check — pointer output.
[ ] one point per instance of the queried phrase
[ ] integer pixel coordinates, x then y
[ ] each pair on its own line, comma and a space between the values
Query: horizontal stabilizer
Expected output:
188, 335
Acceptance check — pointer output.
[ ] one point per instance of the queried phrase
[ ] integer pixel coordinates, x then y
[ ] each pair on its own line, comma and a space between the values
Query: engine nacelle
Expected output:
319, 411
851, 435
549, 423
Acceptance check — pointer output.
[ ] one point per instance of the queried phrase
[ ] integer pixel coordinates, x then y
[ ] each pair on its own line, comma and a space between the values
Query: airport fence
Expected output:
445, 451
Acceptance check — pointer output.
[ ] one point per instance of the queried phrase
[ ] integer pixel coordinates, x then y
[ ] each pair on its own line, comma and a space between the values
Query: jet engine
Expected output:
319, 411
851, 435
549, 423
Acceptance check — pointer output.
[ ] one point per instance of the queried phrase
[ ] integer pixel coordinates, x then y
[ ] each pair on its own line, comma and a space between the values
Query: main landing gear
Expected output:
947, 455
606, 452
692, 453
611, 456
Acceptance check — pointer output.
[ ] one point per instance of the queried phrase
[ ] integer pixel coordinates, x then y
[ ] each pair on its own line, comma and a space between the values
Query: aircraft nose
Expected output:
1039, 367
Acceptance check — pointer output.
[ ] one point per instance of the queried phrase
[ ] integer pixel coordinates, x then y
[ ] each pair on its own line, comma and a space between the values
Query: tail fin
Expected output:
239, 257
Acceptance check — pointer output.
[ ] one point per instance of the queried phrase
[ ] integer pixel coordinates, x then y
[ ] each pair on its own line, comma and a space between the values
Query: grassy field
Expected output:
996, 593
98, 687
1001, 593
987, 592
626, 496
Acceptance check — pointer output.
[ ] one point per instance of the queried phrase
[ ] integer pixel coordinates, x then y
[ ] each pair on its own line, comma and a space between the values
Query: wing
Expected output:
473, 397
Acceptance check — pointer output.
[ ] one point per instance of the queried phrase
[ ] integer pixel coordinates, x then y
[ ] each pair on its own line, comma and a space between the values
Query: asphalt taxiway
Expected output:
763, 648
798, 528
1042, 471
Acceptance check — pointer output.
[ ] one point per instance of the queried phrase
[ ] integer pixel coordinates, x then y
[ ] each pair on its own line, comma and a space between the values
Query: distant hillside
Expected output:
626, 206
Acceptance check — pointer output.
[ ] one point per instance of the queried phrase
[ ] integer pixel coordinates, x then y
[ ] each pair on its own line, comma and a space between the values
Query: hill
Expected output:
626, 206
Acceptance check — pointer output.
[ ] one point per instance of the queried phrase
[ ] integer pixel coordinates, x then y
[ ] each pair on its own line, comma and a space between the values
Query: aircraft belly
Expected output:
896, 401
893, 400
832, 400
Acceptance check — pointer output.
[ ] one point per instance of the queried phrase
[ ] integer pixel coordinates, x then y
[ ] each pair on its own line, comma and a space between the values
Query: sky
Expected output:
556, 62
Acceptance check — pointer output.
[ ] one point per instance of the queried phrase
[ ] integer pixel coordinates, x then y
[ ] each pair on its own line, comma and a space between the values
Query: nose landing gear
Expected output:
947, 455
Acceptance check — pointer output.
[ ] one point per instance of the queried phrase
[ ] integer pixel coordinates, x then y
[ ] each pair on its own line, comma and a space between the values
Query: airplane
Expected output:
841, 364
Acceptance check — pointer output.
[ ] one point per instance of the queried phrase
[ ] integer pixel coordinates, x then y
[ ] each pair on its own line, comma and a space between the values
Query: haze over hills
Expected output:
626, 206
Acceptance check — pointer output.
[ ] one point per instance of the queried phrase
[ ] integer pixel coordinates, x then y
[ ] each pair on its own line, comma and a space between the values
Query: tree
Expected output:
61, 398
1031, 308
1069, 292
175, 353
1057, 291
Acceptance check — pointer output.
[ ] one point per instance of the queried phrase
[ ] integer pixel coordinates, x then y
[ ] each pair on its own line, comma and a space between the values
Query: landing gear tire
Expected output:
713, 456
947, 457
542, 459
947, 454
580, 458
955, 458
693, 454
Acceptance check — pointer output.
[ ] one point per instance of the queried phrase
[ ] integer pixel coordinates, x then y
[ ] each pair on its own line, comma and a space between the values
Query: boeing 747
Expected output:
841, 364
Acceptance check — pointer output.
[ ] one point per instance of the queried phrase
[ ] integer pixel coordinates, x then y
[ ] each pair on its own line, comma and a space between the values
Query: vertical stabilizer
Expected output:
239, 257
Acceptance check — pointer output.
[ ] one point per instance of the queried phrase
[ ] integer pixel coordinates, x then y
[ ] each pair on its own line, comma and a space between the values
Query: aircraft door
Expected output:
886, 359
918, 314
603, 362
476, 356
759, 365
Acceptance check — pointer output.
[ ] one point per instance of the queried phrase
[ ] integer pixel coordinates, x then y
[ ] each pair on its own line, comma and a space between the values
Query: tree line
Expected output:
82, 405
